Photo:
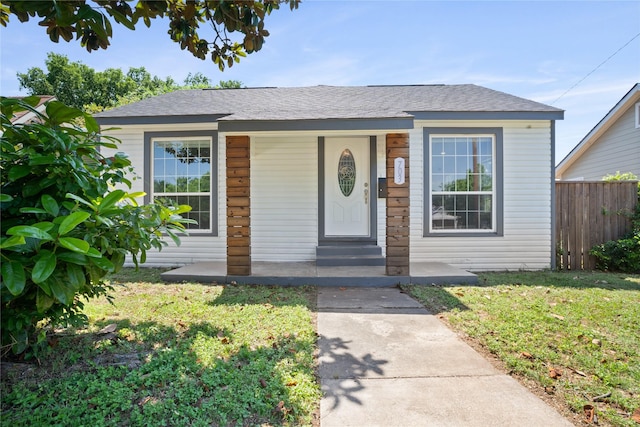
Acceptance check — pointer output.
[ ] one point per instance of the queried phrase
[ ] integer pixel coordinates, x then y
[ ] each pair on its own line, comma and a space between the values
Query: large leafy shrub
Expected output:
64, 224
624, 254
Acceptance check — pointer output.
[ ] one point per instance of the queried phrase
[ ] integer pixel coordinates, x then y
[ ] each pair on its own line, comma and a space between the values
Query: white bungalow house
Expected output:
613, 145
391, 175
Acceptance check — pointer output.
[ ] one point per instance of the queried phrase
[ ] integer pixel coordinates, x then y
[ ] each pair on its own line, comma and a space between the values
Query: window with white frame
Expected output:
462, 184
182, 172
638, 115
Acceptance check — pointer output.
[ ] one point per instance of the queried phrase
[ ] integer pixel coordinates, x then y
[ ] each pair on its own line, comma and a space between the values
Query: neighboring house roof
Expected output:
627, 101
27, 116
401, 104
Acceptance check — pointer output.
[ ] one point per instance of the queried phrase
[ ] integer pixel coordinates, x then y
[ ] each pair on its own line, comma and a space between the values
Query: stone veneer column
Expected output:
238, 206
397, 207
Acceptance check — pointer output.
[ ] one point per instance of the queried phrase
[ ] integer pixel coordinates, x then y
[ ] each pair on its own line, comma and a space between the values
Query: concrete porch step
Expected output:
344, 261
350, 250
349, 255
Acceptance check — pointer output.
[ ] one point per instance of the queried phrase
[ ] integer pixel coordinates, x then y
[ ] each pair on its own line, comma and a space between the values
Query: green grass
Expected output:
182, 355
192, 354
586, 325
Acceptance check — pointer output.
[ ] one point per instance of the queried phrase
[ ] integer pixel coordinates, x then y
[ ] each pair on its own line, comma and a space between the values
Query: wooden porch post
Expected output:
238, 206
397, 207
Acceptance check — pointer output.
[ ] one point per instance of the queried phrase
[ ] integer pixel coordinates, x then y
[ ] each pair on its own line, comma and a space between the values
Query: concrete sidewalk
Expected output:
385, 361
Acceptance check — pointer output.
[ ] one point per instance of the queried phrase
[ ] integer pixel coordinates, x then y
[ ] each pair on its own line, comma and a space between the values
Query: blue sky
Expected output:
537, 50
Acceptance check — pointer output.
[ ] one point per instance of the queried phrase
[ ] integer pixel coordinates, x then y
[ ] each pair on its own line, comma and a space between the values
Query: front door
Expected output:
346, 187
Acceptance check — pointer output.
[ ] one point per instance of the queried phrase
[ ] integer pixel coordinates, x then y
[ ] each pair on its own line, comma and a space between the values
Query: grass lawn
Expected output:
203, 355
573, 337
181, 355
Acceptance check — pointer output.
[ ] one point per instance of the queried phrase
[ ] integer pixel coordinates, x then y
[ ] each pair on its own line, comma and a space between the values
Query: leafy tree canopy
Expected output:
64, 223
80, 86
91, 22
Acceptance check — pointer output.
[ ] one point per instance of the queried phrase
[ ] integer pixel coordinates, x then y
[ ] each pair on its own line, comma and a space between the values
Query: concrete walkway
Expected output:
385, 361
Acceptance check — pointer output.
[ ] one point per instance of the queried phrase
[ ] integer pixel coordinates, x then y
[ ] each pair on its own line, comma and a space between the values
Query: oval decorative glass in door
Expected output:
346, 172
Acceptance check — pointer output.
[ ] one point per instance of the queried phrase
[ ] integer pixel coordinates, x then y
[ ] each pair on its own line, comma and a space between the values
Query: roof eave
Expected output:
488, 115
602, 126
154, 120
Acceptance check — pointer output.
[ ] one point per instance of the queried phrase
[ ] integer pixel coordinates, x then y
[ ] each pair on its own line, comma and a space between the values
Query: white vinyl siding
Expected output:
618, 149
284, 198
526, 239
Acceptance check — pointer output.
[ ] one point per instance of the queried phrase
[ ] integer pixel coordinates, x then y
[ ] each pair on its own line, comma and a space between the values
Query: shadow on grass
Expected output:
277, 296
194, 374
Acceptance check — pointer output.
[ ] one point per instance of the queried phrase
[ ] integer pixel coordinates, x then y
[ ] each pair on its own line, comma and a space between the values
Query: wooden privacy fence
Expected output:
589, 213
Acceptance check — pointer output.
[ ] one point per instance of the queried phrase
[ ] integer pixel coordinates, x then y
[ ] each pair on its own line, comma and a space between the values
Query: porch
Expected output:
308, 273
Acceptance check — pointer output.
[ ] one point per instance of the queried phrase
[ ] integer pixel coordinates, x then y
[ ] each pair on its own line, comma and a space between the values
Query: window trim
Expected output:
637, 115
498, 190
150, 137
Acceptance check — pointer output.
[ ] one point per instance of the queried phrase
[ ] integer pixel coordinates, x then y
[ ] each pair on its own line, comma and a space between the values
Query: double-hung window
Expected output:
462, 195
183, 171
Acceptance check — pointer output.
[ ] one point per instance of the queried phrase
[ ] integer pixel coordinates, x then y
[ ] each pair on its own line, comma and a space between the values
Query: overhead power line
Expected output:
595, 69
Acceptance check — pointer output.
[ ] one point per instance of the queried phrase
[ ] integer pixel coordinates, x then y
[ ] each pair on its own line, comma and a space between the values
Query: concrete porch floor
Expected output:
307, 273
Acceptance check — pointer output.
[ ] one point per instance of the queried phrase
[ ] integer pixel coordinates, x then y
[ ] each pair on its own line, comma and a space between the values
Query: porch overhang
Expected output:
343, 124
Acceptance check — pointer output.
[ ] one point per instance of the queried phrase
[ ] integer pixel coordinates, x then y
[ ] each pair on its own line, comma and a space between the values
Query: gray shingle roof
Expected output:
327, 102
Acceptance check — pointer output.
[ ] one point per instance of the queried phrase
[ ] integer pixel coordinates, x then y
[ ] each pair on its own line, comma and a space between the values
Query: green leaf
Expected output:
75, 245
44, 267
174, 237
42, 160
62, 290
182, 209
13, 276
12, 241
45, 287
29, 231
111, 199
32, 100
43, 301
72, 221
21, 341
43, 225
93, 253
5, 198
103, 220
103, 263
73, 258
33, 210
118, 259
91, 124
79, 199
17, 172
76, 276
59, 113
50, 205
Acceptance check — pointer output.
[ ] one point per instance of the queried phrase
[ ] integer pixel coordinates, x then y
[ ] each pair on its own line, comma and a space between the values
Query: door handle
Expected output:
366, 193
